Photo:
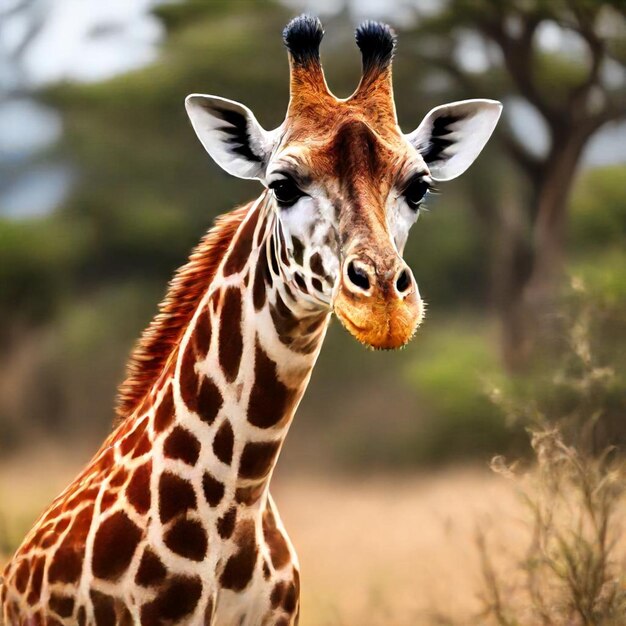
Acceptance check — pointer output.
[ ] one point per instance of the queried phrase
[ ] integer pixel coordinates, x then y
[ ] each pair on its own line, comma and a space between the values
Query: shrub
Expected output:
570, 574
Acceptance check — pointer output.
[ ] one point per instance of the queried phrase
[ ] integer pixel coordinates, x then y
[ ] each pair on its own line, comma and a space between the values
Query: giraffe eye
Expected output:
415, 192
286, 191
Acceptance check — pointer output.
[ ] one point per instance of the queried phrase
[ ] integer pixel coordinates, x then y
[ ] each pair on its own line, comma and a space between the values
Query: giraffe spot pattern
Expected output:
36, 581
273, 259
276, 542
298, 251
143, 446
164, 414
209, 401
240, 252
176, 496
119, 478
206, 400
48, 540
107, 501
103, 608
226, 523
107, 460
231, 341
284, 320
239, 568
177, 599
67, 563
202, 335
80, 496
283, 246
188, 379
22, 574
290, 599
301, 282
114, 546
213, 489
182, 445
269, 396
276, 597
316, 265
284, 596
223, 443
151, 570
62, 605
215, 300
188, 539
258, 286
130, 441
258, 458
138, 490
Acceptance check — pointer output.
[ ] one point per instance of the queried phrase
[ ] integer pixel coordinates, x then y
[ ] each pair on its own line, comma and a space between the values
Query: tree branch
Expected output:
517, 54
584, 26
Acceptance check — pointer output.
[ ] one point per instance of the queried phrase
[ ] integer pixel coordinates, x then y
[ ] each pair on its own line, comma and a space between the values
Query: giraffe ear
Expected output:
230, 134
452, 135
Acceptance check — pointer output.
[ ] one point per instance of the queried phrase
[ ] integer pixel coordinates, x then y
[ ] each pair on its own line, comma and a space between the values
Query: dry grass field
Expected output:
397, 550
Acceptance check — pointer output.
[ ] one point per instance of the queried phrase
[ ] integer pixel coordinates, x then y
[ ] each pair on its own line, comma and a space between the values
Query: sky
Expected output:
91, 40
69, 40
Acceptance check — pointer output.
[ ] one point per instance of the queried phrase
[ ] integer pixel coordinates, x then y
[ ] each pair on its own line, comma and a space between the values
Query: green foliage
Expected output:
446, 253
598, 213
36, 256
579, 381
451, 375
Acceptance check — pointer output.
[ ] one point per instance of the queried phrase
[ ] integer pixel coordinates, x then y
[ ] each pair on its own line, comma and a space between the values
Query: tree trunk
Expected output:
551, 222
513, 266
532, 265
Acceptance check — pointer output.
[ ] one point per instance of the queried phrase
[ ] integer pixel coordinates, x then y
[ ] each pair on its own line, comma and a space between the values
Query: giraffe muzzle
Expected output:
378, 303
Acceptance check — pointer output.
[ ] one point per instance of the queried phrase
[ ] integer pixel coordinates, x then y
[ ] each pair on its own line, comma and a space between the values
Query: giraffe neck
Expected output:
241, 368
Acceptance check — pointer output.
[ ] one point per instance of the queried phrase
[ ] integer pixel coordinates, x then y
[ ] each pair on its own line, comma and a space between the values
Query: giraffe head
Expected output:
345, 183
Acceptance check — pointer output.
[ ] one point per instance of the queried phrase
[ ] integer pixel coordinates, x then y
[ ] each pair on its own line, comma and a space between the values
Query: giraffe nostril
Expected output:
358, 277
403, 281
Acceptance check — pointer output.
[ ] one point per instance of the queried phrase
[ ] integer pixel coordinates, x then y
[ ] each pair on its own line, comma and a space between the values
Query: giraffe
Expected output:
172, 520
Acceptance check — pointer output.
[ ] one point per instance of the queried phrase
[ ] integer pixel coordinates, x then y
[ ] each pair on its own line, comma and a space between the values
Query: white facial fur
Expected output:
446, 143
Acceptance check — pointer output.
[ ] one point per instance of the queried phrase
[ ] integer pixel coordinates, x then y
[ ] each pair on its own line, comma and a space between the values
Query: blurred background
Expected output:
104, 189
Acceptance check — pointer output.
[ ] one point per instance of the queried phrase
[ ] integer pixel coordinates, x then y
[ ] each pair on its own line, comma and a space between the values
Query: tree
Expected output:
573, 99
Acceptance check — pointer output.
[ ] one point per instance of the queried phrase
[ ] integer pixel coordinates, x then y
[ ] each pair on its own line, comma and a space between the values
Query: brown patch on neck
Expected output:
186, 289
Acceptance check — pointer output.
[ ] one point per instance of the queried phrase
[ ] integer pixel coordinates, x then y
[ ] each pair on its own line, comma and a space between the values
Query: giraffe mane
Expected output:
161, 338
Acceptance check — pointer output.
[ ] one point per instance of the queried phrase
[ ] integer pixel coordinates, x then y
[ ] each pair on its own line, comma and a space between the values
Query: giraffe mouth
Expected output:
381, 326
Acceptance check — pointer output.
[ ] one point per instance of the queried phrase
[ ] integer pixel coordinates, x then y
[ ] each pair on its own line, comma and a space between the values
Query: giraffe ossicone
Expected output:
172, 520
